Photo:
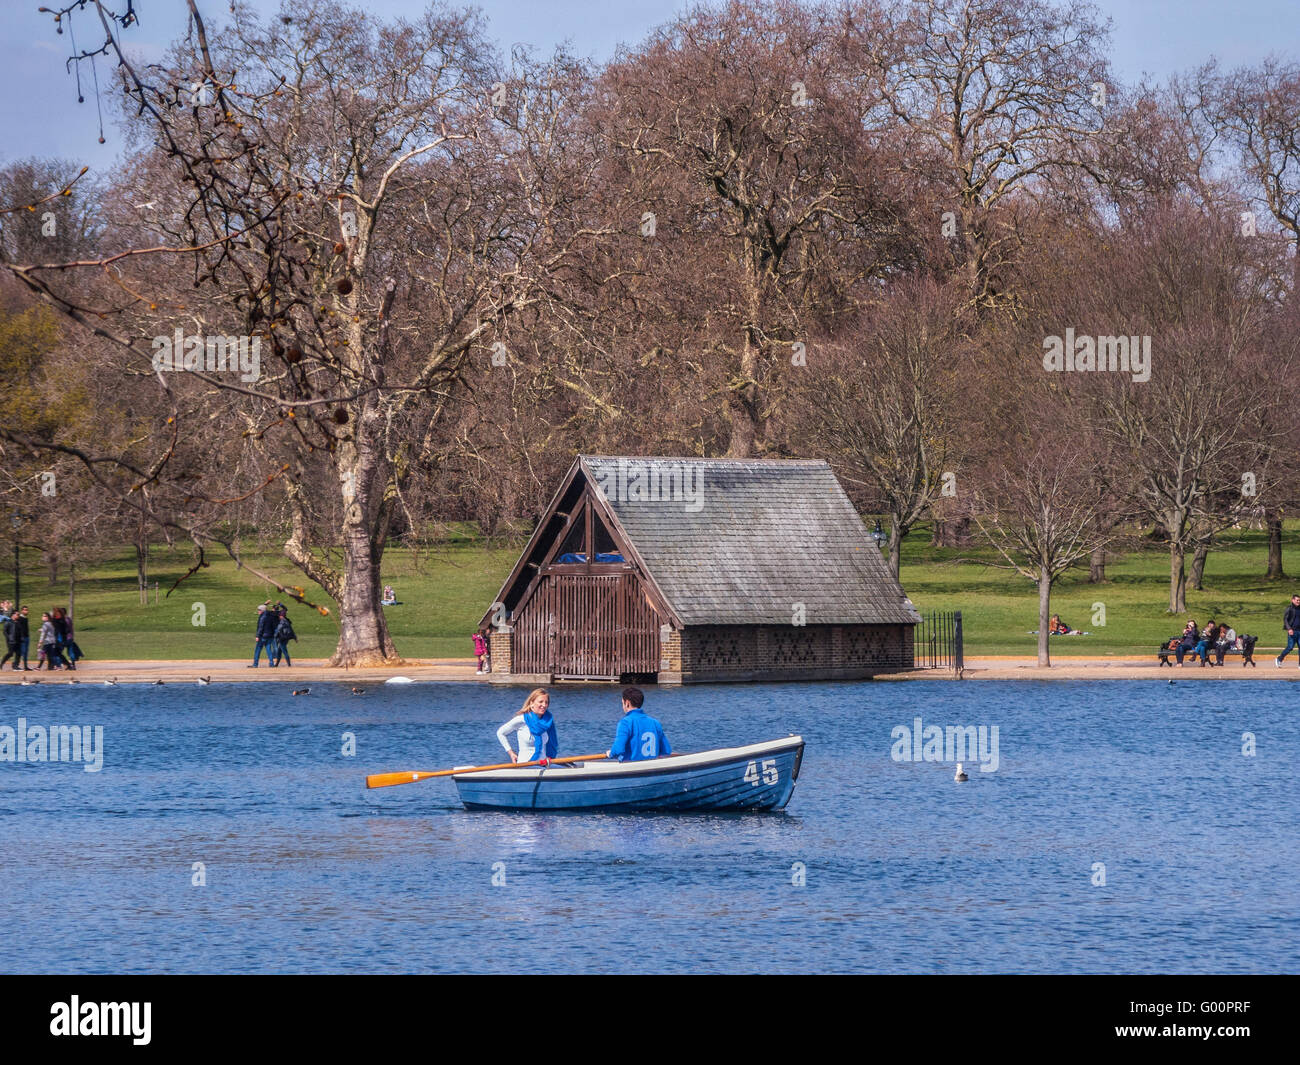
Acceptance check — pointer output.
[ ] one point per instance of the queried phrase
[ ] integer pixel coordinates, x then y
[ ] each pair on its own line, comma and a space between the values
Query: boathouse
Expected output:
684, 570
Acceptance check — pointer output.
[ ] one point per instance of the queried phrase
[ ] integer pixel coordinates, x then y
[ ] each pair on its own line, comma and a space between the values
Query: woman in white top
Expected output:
537, 702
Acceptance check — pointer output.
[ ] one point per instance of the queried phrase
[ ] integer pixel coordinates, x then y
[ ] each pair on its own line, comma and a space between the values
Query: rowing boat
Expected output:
759, 776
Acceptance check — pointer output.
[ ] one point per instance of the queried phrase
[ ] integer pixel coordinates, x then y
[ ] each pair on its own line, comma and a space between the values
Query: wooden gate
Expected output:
587, 626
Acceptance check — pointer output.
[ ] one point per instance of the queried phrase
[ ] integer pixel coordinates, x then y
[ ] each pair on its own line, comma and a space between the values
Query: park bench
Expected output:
1169, 651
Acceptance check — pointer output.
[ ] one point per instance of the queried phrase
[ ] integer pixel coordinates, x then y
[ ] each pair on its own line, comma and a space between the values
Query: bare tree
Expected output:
343, 193
1001, 95
1187, 440
884, 402
748, 115
1043, 511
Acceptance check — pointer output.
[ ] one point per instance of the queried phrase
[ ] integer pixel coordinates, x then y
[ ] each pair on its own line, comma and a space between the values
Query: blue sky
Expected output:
39, 113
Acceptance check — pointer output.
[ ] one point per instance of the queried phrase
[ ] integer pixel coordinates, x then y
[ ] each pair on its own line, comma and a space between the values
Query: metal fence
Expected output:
938, 641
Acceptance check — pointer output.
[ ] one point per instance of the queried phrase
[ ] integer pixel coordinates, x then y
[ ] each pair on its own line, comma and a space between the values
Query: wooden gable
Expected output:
578, 535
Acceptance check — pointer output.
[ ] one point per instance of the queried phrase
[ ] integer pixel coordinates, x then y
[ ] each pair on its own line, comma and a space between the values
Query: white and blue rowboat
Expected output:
759, 776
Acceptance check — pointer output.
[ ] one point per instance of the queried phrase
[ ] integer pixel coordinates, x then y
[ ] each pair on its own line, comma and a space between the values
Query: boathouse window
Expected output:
606, 549
574, 549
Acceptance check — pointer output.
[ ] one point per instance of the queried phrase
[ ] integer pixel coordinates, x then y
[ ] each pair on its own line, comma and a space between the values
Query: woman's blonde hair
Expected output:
533, 696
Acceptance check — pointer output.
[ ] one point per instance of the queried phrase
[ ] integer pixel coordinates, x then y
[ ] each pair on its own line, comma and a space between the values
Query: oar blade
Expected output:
388, 780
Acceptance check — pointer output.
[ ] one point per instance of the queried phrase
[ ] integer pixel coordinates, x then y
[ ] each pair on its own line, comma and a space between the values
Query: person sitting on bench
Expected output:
1228, 641
1187, 641
1209, 637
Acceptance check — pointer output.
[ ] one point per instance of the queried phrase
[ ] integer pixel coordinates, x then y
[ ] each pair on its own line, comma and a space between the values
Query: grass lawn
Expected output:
444, 592
999, 607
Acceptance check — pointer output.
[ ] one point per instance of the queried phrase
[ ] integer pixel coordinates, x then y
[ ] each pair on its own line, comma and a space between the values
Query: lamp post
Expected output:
878, 534
18, 587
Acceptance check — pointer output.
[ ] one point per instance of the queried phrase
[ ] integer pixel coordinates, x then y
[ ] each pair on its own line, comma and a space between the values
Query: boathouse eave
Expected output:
616, 527
538, 533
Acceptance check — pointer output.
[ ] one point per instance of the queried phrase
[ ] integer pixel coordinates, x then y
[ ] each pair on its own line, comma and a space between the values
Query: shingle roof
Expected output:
733, 541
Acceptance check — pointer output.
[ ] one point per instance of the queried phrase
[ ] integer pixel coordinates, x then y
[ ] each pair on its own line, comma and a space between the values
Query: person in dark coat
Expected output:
265, 637
23, 634
282, 635
1188, 640
12, 647
60, 624
1290, 622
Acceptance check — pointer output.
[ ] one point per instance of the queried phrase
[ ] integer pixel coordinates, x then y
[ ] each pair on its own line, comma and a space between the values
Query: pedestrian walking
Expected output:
1290, 622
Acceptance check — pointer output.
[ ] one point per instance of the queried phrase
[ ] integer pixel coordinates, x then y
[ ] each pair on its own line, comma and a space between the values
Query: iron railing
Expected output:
938, 641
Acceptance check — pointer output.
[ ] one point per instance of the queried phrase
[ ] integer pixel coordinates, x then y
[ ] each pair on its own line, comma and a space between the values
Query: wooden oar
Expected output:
387, 780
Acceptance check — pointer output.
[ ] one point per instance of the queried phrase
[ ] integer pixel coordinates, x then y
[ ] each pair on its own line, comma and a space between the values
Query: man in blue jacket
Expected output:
639, 737
267, 619
1290, 622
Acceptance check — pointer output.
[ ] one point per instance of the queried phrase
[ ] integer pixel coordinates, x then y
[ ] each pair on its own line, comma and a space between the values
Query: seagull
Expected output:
203, 681
961, 774
302, 691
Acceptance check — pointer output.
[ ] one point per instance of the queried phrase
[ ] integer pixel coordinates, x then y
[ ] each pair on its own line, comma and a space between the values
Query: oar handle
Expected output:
387, 780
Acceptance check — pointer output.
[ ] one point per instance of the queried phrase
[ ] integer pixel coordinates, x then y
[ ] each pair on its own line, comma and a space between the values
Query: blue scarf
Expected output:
542, 727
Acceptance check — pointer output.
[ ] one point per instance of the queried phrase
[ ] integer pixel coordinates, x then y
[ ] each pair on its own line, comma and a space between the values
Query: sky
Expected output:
40, 116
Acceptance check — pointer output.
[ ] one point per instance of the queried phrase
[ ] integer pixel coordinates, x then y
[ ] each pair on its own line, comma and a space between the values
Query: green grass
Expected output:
999, 607
445, 591
443, 595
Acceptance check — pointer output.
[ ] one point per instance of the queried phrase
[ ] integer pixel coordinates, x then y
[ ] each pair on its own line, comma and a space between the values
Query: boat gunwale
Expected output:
652, 767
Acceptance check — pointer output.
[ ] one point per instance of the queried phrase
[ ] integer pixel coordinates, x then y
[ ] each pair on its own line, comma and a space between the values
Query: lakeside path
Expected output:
314, 671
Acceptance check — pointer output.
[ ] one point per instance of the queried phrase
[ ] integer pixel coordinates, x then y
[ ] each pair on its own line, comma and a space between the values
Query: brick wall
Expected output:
670, 650
500, 642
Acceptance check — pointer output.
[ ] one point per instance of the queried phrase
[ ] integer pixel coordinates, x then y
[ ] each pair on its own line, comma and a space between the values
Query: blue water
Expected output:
906, 871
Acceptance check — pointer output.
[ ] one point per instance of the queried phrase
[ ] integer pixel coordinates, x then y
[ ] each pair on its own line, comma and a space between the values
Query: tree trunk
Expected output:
740, 444
1044, 614
938, 533
1097, 566
142, 568
1198, 565
1273, 520
743, 401
363, 631
1177, 580
72, 588
895, 546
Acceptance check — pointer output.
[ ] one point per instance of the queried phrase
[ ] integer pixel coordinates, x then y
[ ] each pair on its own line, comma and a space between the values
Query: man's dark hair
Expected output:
633, 696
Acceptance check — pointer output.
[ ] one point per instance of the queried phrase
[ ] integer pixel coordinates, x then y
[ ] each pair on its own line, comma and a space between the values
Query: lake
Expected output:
876, 865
